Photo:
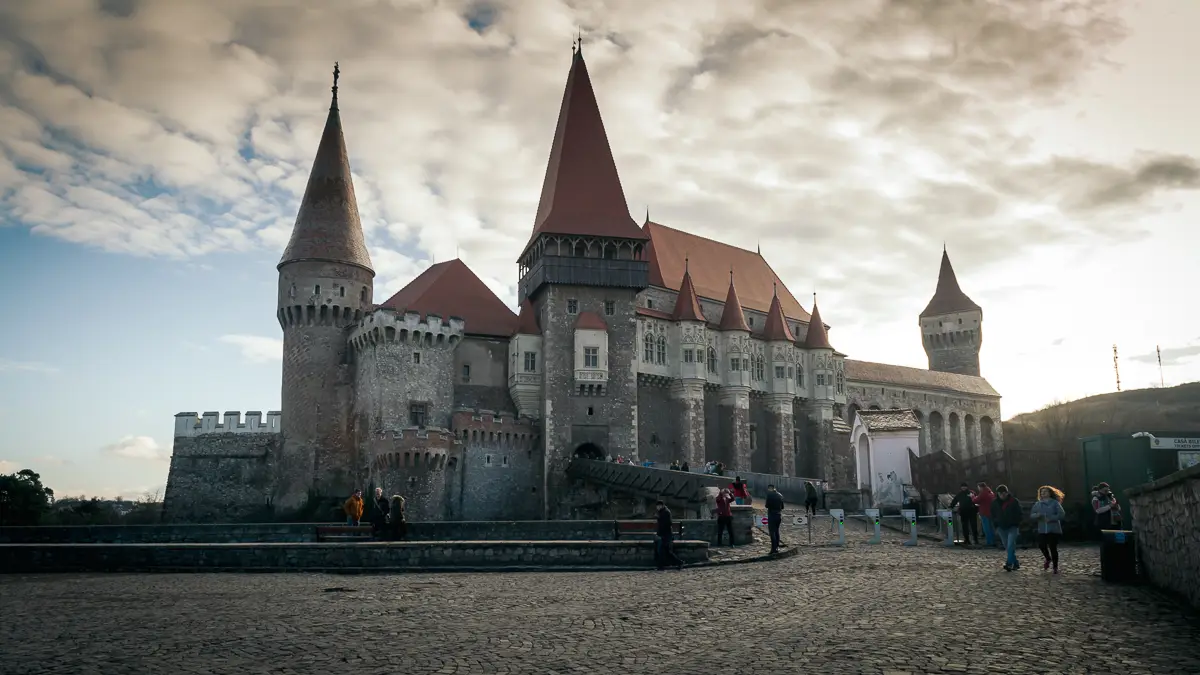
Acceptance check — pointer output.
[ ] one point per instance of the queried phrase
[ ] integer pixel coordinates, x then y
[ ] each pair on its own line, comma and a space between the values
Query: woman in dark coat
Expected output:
397, 527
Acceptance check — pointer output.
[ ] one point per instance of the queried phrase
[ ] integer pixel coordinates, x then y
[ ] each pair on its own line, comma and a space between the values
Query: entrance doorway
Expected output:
589, 451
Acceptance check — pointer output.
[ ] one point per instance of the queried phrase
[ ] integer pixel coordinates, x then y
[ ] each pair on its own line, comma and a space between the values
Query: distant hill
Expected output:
1058, 426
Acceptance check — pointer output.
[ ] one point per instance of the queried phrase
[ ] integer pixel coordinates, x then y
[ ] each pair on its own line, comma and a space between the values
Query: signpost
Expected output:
873, 518
910, 515
839, 521
948, 516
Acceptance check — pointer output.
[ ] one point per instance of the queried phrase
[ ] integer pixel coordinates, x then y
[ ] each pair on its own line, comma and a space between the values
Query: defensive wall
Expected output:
221, 470
1166, 518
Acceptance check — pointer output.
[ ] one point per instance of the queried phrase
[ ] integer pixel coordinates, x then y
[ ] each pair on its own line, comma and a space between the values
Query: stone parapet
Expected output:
1166, 518
191, 424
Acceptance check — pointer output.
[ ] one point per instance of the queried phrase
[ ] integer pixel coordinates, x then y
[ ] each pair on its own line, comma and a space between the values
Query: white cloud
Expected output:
11, 366
7, 467
256, 348
138, 447
51, 460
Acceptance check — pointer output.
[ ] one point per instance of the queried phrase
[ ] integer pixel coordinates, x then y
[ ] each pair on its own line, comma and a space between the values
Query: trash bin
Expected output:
1118, 556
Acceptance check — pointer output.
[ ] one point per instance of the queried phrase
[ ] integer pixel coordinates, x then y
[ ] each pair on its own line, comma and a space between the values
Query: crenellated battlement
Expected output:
487, 427
340, 316
413, 449
387, 326
192, 424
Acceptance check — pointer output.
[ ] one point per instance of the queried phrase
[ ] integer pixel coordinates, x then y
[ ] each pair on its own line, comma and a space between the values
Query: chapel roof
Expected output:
886, 373
451, 289
949, 297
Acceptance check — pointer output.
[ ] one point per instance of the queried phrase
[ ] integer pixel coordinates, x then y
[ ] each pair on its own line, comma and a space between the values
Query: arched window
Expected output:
648, 348
841, 383
661, 352
758, 368
799, 375
712, 360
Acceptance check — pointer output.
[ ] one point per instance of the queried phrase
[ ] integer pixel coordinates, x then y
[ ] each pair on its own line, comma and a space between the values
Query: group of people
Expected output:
1001, 515
386, 515
677, 466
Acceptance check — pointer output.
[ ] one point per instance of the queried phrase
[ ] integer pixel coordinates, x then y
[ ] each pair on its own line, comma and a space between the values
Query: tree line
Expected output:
24, 500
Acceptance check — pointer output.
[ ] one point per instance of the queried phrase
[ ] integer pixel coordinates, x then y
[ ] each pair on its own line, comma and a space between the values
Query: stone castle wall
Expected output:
416, 463
221, 472
1166, 518
501, 471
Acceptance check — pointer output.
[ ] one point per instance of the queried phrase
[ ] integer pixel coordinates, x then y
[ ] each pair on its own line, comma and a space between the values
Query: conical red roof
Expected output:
733, 318
527, 320
777, 328
687, 306
948, 298
582, 193
327, 226
818, 337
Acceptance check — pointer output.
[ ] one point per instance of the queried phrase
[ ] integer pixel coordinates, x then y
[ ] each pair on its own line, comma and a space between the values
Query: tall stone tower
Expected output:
325, 284
952, 326
581, 270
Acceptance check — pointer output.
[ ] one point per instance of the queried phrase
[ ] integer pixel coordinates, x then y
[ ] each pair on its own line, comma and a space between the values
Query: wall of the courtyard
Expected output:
220, 477
1166, 517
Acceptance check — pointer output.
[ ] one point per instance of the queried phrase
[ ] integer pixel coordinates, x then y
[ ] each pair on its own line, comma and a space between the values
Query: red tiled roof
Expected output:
582, 192
817, 337
948, 298
732, 316
886, 373
590, 321
451, 289
670, 248
327, 225
655, 313
687, 307
527, 320
777, 326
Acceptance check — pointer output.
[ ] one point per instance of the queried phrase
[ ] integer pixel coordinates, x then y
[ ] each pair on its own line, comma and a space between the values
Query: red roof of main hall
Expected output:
451, 289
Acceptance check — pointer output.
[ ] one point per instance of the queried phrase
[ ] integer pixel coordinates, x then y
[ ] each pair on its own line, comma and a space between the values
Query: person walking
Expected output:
810, 498
774, 516
1049, 515
354, 508
967, 513
724, 515
983, 502
1007, 513
666, 537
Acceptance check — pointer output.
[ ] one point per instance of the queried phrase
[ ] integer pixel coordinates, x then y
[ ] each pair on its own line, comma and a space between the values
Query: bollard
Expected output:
838, 516
911, 516
948, 516
873, 517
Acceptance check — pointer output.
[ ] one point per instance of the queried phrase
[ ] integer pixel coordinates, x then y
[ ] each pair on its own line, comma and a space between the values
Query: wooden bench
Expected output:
343, 533
643, 527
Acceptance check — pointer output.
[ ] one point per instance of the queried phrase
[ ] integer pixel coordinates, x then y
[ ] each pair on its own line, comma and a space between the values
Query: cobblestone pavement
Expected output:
854, 609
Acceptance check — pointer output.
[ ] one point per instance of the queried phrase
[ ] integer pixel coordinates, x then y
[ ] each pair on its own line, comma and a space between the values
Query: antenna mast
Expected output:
1116, 368
1158, 351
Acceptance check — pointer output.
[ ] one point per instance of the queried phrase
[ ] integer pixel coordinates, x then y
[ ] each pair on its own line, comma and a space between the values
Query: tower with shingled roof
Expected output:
952, 326
581, 271
325, 284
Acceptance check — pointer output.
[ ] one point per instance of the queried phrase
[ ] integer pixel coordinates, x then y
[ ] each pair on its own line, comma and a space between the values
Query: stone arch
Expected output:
955, 436
922, 434
863, 448
987, 433
969, 427
937, 432
589, 451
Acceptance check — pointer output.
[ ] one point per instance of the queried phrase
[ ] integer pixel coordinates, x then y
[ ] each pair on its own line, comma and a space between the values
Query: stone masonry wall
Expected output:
220, 477
1166, 518
658, 429
481, 375
502, 467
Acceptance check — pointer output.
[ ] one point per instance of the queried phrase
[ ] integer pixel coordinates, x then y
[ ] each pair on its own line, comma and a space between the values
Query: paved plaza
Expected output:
858, 609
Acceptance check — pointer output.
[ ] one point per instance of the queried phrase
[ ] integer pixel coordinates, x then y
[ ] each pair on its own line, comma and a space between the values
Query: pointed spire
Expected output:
527, 320
948, 298
582, 193
733, 318
687, 305
647, 213
327, 225
818, 337
776, 328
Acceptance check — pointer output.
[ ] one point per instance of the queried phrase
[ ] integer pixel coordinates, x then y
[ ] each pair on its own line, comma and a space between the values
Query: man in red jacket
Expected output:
983, 499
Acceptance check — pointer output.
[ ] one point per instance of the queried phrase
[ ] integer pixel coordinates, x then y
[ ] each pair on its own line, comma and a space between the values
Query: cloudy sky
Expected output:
152, 155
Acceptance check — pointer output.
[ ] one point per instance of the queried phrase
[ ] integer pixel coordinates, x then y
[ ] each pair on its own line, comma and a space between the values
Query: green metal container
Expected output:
1124, 462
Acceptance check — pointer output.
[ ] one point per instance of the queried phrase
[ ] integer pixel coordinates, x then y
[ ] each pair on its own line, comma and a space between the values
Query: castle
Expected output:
644, 341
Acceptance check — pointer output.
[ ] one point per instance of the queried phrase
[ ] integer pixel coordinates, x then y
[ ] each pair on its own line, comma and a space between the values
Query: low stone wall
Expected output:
381, 556
529, 530
1166, 518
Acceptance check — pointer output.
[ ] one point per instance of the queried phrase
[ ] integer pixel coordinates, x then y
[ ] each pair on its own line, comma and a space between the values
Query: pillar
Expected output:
781, 443
735, 426
687, 397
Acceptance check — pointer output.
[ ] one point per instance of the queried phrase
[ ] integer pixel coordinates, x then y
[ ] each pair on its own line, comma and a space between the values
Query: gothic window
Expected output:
734, 362
780, 372
841, 383
530, 362
591, 357
648, 351
660, 354
572, 306
712, 360
688, 356
610, 307
820, 379
758, 368
799, 376
417, 414
746, 364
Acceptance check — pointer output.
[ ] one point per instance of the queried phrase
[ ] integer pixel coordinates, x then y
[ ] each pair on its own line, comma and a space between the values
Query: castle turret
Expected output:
825, 385
781, 361
734, 427
952, 326
525, 362
687, 390
325, 284
585, 255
